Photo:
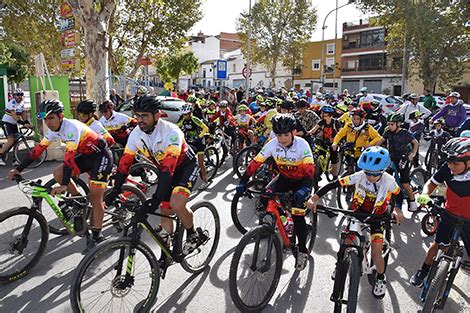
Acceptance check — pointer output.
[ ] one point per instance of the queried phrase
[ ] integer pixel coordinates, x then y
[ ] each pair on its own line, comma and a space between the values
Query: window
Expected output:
204, 73
315, 65
373, 38
330, 48
329, 62
234, 67
372, 62
351, 65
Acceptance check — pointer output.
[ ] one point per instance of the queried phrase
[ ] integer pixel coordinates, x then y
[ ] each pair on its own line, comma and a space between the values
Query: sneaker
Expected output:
2, 163
301, 263
379, 288
417, 279
92, 243
204, 185
192, 242
412, 206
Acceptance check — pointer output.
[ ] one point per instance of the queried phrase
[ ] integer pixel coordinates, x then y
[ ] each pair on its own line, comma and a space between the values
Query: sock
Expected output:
425, 267
380, 276
96, 233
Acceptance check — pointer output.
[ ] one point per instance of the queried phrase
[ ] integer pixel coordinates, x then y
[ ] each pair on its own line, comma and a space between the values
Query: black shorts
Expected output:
10, 129
184, 179
404, 172
376, 231
198, 145
446, 228
98, 165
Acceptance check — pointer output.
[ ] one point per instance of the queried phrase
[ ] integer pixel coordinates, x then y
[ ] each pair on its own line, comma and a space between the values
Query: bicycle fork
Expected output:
266, 261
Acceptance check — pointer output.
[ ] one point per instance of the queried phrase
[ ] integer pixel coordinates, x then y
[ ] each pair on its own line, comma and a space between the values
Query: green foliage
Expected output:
279, 31
174, 65
5, 54
17, 66
435, 31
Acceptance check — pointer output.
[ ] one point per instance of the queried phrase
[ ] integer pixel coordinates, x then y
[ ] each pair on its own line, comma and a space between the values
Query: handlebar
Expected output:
361, 216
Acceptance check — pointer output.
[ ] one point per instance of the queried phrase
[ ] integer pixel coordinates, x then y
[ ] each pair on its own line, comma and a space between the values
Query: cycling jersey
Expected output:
221, 117
328, 131
98, 128
293, 162
408, 107
398, 143
440, 137
210, 113
12, 106
370, 197
457, 191
244, 121
309, 119
454, 115
366, 135
78, 139
193, 128
117, 125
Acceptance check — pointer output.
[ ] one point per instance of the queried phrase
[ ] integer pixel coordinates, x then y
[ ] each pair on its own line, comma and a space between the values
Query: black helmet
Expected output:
302, 103
244, 102
287, 105
395, 118
106, 105
283, 123
50, 106
146, 103
86, 106
457, 149
415, 115
375, 103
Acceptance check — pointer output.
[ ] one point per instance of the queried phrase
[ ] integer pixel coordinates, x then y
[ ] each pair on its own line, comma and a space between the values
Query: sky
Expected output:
221, 15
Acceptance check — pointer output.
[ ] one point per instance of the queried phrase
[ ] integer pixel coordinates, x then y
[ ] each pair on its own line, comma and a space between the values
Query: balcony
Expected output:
367, 46
370, 70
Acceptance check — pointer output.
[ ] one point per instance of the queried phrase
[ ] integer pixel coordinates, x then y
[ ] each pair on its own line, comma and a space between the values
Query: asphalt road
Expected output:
46, 288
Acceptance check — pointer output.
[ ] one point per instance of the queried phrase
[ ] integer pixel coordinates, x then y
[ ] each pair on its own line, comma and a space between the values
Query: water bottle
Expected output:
290, 227
78, 222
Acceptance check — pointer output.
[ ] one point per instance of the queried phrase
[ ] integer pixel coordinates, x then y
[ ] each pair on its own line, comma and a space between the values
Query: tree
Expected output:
278, 27
435, 34
174, 65
5, 54
17, 65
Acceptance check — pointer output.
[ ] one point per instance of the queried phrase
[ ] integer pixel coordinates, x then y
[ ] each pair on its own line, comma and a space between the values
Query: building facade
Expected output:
365, 62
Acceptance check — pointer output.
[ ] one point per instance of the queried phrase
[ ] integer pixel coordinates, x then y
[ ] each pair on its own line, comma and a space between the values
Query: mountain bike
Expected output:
256, 266
24, 231
444, 268
125, 272
434, 156
321, 157
344, 194
354, 259
22, 146
243, 158
432, 218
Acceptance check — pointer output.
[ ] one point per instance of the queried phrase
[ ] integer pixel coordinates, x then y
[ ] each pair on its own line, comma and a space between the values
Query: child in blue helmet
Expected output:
374, 189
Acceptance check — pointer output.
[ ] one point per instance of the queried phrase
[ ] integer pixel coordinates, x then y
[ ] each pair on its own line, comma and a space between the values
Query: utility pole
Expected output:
247, 70
334, 54
404, 68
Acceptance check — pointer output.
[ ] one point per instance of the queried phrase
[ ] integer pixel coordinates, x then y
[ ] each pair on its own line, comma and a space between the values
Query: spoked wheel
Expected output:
110, 277
243, 159
311, 219
22, 149
437, 286
211, 161
347, 277
255, 269
207, 223
20, 249
245, 210
418, 177
55, 225
429, 224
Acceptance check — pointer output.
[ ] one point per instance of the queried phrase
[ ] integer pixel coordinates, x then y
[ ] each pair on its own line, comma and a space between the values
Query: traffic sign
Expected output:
221, 69
65, 9
67, 23
67, 53
70, 38
244, 72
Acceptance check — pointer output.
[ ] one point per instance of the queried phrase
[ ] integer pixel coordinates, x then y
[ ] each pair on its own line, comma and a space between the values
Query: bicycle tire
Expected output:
437, 286
23, 270
22, 149
242, 159
429, 224
427, 157
418, 178
257, 234
186, 263
244, 224
101, 251
55, 226
211, 161
354, 277
311, 229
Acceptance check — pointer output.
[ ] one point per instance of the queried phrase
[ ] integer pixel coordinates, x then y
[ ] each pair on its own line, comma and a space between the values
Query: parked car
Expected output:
388, 103
171, 108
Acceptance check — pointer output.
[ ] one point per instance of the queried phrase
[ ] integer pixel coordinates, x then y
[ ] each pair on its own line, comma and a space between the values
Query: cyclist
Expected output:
398, 141
375, 116
454, 113
194, 130
197, 110
85, 151
163, 142
119, 125
86, 114
358, 133
366, 99
211, 110
244, 121
456, 175
411, 105
254, 106
347, 116
374, 190
294, 160
307, 118
14, 115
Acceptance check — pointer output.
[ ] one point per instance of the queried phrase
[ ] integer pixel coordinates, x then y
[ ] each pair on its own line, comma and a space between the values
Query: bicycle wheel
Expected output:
429, 224
23, 147
245, 210
206, 218
311, 219
243, 159
418, 177
20, 251
437, 287
354, 276
101, 281
55, 225
145, 177
254, 272
211, 161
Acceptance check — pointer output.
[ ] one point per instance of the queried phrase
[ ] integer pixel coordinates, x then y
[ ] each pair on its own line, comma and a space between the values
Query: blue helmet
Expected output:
465, 133
327, 109
374, 159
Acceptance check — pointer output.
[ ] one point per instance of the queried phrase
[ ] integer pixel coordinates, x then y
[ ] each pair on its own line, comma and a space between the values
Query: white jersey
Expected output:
115, 122
12, 106
367, 98
408, 107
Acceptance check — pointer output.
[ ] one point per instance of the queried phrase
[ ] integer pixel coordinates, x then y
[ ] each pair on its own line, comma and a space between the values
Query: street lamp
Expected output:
323, 39
247, 66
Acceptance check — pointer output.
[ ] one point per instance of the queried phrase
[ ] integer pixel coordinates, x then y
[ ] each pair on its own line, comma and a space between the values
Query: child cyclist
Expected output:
294, 160
374, 189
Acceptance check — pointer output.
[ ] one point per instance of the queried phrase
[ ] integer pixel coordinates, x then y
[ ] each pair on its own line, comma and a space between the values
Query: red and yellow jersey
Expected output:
114, 125
98, 128
293, 162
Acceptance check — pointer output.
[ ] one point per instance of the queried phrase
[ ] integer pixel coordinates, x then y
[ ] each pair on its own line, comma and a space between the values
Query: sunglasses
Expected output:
374, 174
82, 115
41, 115
20, 94
142, 117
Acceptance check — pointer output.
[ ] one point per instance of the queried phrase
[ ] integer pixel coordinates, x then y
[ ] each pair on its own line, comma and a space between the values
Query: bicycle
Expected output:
321, 157
263, 262
434, 156
22, 146
430, 221
444, 268
211, 160
243, 158
111, 270
23, 243
350, 167
355, 260
418, 177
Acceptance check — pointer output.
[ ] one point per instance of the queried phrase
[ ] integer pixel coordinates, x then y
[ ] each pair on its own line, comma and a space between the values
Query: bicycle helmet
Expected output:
283, 123
86, 106
210, 102
192, 99
465, 133
49, 106
415, 115
259, 98
142, 90
413, 96
327, 109
454, 94
347, 100
146, 103
244, 102
374, 159
242, 108
319, 95
440, 121
359, 112
19, 92
106, 105
302, 103
363, 89
223, 103
457, 149
342, 107
287, 105
395, 118
186, 108
375, 104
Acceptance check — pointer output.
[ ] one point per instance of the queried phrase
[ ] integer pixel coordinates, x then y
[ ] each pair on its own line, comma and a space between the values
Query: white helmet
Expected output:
454, 94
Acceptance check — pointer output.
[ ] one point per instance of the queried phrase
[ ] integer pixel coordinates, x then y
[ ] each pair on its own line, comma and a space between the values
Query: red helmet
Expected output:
359, 112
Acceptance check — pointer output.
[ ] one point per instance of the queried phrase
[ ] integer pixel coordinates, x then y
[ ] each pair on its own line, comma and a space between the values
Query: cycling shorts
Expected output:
98, 166
446, 228
376, 232
10, 129
198, 145
403, 173
183, 180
